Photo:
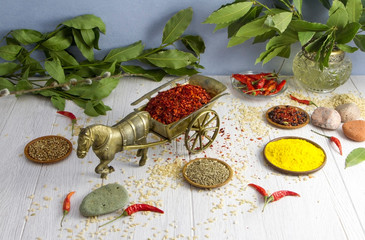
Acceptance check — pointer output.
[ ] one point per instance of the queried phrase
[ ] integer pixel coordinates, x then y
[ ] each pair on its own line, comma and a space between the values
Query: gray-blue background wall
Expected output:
128, 21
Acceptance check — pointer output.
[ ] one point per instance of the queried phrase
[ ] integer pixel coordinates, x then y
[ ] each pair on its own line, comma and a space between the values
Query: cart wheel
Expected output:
202, 131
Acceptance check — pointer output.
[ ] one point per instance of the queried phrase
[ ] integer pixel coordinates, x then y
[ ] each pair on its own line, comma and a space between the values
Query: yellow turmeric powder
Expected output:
294, 155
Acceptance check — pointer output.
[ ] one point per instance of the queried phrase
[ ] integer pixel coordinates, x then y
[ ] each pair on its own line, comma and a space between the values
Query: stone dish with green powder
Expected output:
106, 199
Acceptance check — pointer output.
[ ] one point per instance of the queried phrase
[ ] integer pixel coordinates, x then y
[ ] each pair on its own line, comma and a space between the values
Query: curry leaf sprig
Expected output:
283, 25
58, 74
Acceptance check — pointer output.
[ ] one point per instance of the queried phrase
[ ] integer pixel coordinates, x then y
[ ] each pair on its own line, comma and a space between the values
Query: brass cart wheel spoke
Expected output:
205, 126
209, 138
195, 140
210, 120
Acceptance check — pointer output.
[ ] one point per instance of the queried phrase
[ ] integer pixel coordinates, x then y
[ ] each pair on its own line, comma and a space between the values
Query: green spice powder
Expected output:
207, 172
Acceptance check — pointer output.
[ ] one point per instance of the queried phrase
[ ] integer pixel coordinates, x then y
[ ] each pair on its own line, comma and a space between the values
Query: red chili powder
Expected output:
173, 104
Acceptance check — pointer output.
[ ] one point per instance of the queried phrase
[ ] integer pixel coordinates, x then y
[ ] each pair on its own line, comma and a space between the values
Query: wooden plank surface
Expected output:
331, 205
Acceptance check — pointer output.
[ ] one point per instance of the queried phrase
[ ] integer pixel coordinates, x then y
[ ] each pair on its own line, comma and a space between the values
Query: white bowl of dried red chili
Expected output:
259, 85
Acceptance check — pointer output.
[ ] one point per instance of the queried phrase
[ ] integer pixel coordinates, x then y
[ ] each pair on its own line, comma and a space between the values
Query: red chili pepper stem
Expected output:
333, 139
124, 214
267, 199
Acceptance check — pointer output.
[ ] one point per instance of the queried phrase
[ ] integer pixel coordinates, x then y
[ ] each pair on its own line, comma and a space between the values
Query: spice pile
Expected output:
48, 148
296, 155
288, 116
207, 172
171, 105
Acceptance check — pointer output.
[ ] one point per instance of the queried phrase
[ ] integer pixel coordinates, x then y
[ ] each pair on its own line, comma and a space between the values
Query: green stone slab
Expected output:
106, 199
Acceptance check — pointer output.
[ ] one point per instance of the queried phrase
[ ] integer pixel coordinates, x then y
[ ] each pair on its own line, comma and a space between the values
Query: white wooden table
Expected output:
331, 206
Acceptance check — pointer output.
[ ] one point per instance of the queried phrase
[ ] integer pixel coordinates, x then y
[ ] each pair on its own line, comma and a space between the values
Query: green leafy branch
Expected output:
60, 76
283, 25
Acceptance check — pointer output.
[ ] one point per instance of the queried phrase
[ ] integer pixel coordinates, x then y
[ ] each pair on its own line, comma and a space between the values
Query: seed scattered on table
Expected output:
207, 172
48, 149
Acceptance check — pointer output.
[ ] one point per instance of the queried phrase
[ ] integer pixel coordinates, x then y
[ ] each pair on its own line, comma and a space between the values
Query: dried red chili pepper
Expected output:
70, 116
66, 205
135, 208
303, 101
333, 139
273, 197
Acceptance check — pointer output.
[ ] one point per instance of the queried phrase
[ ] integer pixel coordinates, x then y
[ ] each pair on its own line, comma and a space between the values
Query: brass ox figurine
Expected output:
107, 141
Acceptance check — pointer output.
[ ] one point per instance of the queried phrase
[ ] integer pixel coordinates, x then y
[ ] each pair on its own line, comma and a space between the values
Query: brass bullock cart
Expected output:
200, 127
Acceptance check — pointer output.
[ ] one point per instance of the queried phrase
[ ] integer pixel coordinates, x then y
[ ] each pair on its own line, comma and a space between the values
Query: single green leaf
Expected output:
177, 25
25, 73
95, 108
96, 39
194, 43
356, 156
285, 52
305, 37
59, 42
55, 70
90, 109
104, 67
125, 53
347, 48
153, 74
282, 20
338, 16
34, 65
316, 44
11, 41
10, 52
359, 40
181, 71
252, 14
347, 33
58, 102
354, 10
221, 26
97, 90
85, 49
87, 21
171, 59
8, 68
252, 29
298, 5
88, 36
5, 83
285, 39
101, 108
229, 13
264, 37
234, 41
304, 26
65, 58
23, 85
270, 54
27, 36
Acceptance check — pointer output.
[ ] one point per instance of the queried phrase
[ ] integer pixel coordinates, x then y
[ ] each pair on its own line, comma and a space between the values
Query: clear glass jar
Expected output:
310, 76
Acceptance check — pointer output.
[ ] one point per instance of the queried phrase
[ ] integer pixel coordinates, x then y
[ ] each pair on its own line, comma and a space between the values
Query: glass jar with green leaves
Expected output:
283, 25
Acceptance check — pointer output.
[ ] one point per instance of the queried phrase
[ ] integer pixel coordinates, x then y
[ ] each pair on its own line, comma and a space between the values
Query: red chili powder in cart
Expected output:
171, 105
